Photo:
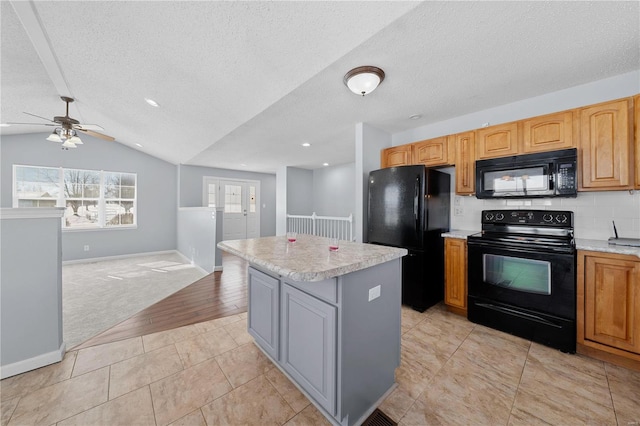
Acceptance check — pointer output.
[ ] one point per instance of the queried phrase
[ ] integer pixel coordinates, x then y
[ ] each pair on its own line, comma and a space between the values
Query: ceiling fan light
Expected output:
69, 144
53, 137
75, 140
363, 80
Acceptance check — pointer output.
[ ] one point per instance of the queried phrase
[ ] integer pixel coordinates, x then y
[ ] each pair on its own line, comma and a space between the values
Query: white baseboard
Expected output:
116, 257
33, 363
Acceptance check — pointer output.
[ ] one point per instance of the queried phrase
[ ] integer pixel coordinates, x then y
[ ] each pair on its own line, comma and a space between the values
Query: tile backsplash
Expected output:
593, 212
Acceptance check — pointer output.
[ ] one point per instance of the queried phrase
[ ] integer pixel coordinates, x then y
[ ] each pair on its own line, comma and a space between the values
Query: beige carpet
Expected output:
99, 295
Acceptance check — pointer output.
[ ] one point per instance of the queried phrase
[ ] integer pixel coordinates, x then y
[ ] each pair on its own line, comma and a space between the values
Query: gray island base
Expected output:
329, 320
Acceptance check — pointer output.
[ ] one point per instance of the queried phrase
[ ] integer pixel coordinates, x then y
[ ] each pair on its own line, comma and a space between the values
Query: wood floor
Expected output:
217, 295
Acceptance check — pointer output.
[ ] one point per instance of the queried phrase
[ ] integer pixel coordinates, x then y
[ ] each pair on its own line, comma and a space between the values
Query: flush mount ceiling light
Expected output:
363, 80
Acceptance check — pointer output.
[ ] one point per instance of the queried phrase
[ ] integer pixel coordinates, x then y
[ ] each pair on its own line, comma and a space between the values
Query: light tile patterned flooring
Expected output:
452, 372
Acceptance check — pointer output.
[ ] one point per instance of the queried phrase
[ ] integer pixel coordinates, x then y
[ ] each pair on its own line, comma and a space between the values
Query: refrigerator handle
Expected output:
416, 202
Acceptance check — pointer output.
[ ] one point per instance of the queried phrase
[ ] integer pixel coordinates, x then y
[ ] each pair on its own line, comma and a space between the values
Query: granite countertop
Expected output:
604, 246
459, 233
309, 258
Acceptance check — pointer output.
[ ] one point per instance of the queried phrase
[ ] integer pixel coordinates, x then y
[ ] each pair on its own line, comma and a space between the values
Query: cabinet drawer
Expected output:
326, 290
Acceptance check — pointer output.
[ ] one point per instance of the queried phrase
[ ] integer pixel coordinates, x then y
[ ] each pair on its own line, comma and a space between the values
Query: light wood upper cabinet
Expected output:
636, 108
605, 146
433, 152
609, 302
396, 156
497, 141
548, 132
465, 160
455, 281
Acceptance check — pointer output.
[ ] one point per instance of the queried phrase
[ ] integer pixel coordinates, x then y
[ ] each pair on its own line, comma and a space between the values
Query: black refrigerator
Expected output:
409, 208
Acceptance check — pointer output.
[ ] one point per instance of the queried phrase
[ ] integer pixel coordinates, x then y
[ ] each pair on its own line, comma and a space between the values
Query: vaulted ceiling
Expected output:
241, 85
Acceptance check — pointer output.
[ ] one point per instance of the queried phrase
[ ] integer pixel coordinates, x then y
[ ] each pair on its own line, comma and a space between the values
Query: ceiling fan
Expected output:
67, 128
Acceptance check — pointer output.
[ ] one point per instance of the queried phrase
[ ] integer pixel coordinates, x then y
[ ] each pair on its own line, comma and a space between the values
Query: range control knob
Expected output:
561, 218
547, 218
488, 216
499, 216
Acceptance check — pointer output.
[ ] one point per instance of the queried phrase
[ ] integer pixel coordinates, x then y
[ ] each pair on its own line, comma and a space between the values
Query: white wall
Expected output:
594, 211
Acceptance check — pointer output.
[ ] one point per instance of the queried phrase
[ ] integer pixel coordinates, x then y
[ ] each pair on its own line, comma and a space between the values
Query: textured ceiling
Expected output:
248, 82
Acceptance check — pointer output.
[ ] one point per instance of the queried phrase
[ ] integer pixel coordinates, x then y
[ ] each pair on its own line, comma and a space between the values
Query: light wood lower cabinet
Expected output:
455, 266
608, 295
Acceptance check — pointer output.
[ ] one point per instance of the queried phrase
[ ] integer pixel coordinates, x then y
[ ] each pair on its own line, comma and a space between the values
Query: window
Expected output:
233, 199
93, 199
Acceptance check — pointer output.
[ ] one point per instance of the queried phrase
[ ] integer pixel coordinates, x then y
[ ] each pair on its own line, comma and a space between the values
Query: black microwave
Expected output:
544, 174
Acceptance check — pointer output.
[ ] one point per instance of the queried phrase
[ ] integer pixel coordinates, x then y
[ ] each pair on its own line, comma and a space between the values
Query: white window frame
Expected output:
100, 225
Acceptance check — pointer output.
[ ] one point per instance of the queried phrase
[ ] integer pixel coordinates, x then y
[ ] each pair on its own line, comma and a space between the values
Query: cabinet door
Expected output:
497, 141
548, 133
605, 146
396, 156
636, 108
262, 315
432, 152
465, 161
309, 345
455, 264
612, 302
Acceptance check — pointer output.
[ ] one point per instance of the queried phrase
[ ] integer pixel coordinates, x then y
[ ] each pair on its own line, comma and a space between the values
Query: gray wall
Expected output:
31, 288
190, 191
299, 191
197, 236
157, 188
333, 190
369, 142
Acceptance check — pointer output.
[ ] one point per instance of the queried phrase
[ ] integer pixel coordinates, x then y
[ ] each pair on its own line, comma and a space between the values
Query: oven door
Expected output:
521, 277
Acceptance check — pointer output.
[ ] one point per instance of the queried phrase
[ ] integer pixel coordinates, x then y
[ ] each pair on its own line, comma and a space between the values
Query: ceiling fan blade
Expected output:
35, 124
93, 127
28, 113
97, 135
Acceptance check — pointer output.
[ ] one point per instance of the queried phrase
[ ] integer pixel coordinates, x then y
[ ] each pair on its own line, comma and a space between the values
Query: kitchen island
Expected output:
330, 320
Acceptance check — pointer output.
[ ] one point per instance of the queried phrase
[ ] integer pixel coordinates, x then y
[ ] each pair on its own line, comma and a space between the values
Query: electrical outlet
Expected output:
458, 211
86, 247
374, 293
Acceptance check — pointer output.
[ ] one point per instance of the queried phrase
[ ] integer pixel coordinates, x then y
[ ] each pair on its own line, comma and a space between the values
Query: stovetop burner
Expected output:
541, 229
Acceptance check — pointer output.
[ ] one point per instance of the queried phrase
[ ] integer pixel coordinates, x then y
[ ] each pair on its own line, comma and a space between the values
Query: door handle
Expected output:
416, 202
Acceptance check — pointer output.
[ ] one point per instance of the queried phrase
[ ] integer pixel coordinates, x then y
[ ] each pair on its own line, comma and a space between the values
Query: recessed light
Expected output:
4, 125
151, 102
306, 144
325, 164
137, 144
415, 117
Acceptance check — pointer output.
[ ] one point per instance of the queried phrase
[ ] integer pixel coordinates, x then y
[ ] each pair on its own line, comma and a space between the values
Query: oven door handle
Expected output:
518, 314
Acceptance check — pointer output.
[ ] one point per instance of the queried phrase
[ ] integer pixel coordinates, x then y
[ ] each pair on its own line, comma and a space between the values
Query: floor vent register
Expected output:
378, 418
